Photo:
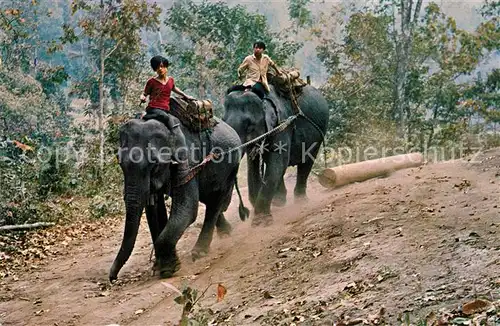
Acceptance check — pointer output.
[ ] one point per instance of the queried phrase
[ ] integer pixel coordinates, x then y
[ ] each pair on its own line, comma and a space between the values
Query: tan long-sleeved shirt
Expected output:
256, 70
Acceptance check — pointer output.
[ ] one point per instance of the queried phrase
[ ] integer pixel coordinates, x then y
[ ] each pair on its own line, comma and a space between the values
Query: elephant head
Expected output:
149, 156
248, 115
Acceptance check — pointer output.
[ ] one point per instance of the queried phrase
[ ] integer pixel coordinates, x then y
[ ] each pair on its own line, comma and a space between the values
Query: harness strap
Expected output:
280, 128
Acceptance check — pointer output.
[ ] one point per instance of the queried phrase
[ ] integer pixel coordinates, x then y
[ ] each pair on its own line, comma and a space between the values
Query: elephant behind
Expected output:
155, 157
297, 145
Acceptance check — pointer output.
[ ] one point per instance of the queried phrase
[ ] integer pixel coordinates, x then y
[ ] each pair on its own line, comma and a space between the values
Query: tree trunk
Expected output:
202, 75
401, 107
101, 91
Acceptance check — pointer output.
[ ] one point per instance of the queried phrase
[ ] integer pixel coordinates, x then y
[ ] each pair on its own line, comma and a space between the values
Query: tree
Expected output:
111, 29
211, 40
299, 13
419, 93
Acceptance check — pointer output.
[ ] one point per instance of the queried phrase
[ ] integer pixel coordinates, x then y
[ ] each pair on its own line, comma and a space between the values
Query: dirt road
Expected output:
417, 241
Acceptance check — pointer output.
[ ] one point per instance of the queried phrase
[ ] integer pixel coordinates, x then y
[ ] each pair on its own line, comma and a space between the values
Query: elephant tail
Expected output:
244, 212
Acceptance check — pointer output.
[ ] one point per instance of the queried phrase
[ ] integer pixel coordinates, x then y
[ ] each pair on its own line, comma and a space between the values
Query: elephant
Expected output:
297, 145
155, 154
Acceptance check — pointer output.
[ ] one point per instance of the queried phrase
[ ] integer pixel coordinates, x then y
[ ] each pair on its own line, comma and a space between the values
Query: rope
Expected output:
194, 170
280, 128
298, 111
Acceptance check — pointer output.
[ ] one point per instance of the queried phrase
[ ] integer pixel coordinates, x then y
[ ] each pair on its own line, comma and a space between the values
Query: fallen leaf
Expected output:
476, 306
299, 318
356, 321
317, 254
431, 318
267, 295
461, 321
221, 292
23, 146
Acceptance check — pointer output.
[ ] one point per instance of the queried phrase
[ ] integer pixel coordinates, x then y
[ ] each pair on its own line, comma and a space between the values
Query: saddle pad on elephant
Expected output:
196, 115
290, 77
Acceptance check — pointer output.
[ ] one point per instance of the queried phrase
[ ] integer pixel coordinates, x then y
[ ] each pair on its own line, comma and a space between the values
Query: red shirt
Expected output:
159, 94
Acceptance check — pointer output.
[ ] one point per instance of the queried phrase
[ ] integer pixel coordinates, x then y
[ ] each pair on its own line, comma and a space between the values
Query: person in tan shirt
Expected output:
256, 66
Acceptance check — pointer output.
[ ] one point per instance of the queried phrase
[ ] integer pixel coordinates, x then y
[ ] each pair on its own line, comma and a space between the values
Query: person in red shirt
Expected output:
160, 88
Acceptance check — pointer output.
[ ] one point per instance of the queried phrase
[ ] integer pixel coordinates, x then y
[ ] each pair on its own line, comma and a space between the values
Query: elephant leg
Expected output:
184, 212
212, 214
254, 182
303, 171
280, 196
157, 220
152, 217
276, 166
224, 228
162, 212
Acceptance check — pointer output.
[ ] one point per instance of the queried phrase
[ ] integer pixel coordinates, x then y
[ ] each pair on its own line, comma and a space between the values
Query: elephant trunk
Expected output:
134, 204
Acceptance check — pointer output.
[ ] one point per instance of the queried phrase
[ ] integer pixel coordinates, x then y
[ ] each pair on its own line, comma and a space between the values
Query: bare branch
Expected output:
408, 12
417, 11
25, 226
113, 49
403, 10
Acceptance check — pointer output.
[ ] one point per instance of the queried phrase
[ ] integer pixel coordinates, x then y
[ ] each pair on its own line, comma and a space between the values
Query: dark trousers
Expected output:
257, 88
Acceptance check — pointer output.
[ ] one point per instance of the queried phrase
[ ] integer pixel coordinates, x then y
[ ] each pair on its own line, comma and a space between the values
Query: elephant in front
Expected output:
297, 145
156, 156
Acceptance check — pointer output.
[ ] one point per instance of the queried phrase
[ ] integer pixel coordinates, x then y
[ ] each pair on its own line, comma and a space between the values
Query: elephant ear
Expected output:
270, 114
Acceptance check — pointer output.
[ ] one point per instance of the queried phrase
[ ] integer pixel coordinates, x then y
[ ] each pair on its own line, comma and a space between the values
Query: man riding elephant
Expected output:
255, 67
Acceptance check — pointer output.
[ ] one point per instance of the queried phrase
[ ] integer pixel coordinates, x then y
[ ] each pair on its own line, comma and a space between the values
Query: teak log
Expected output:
361, 171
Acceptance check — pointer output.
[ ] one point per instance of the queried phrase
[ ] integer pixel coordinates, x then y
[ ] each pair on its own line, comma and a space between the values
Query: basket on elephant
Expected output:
289, 78
197, 115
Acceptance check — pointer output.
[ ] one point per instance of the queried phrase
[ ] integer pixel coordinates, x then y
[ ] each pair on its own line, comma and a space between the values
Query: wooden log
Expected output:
25, 226
362, 171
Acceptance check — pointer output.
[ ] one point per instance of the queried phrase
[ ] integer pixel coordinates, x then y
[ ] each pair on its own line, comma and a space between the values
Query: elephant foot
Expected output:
224, 230
198, 253
279, 201
112, 278
113, 274
168, 267
300, 198
262, 220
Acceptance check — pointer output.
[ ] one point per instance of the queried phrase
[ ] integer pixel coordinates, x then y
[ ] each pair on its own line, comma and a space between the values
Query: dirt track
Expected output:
417, 241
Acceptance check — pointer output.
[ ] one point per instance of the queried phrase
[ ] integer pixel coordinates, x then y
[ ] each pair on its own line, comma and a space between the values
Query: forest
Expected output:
398, 77
413, 247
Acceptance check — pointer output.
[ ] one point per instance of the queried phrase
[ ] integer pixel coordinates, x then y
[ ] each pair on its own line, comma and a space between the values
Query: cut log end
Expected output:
362, 171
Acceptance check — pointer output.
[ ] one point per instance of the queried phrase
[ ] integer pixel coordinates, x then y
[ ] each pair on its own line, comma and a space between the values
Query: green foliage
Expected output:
212, 39
299, 13
102, 206
51, 78
115, 29
375, 57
